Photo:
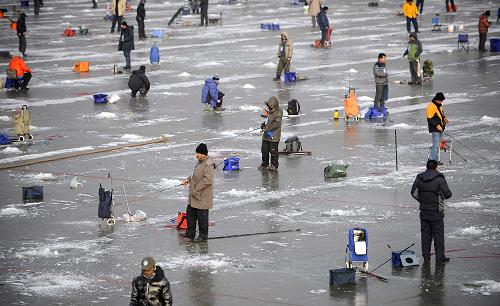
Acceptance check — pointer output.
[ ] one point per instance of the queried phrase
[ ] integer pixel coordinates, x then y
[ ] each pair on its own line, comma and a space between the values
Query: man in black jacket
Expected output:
323, 24
141, 15
138, 81
21, 33
204, 12
430, 189
151, 288
126, 42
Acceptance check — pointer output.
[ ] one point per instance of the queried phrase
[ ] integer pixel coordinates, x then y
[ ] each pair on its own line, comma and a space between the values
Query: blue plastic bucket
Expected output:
100, 98
495, 44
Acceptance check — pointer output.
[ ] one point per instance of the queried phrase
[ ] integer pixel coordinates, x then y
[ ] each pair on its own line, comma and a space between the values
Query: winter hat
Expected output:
147, 263
325, 8
142, 68
413, 34
438, 97
487, 13
202, 149
216, 77
124, 23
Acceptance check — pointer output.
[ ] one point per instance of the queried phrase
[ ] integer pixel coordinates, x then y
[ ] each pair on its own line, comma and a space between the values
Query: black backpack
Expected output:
293, 144
105, 209
293, 107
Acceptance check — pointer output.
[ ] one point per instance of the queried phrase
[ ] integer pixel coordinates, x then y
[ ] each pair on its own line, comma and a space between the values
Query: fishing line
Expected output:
465, 146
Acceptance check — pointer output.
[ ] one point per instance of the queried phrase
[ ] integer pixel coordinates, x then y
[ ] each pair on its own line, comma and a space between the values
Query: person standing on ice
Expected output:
126, 43
21, 33
141, 15
413, 51
118, 8
410, 11
151, 287
381, 82
314, 9
483, 26
323, 24
271, 130
436, 121
201, 195
285, 55
210, 94
430, 189
204, 12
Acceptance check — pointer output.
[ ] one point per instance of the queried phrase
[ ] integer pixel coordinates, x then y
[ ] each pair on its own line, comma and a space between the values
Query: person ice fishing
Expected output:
314, 9
126, 43
37, 4
483, 26
271, 130
323, 24
381, 82
204, 12
430, 189
201, 195
285, 55
21, 33
450, 6
139, 82
410, 11
210, 94
23, 72
413, 51
436, 121
151, 288
141, 15
118, 8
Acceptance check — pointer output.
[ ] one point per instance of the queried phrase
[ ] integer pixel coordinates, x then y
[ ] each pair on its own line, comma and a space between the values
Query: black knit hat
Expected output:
439, 97
202, 149
124, 23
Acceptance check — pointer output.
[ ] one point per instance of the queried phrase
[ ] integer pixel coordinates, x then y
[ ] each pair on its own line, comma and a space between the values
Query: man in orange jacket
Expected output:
23, 72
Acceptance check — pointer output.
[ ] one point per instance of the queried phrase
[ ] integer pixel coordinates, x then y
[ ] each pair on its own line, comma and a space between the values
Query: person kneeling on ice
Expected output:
271, 130
210, 94
22, 71
201, 195
430, 189
151, 287
436, 121
139, 82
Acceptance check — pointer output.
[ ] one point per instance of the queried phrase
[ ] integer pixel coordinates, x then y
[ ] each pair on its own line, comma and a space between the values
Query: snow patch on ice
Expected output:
402, 126
468, 204
339, 212
11, 210
319, 291
53, 284
365, 99
209, 64
184, 74
133, 138
352, 70
489, 120
250, 108
106, 115
41, 177
484, 287
270, 65
248, 86
471, 231
283, 244
167, 183
199, 261
11, 150
241, 193
114, 98
4, 118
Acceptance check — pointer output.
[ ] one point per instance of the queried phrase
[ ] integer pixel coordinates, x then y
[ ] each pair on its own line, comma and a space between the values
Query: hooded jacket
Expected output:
288, 47
414, 49
21, 24
380, 74
430, 189
18, 64
201, 185
484, 24
410, 10
138, 79
120, 8
127, 36
141, 12
435, 117
273, 122
209, 93
323, 20
155, 292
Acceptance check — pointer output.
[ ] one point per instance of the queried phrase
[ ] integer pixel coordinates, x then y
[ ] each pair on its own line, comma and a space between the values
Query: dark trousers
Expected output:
448, 4
116, 19
432, 230
142, 90
23, 83
193, 216
269, 148
126, 53
94, 4
414, 72
323, 36
142, 33
37, 7
22, 43
381, 95
282, 65
420, 4
482, 41
409, 21
204, 13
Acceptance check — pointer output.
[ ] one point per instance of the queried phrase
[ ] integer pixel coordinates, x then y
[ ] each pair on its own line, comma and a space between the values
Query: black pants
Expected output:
267, 148
204, 14
381, 95
414, 72
22, 43
420, 4
114, 21
482, 41
194, 215
142, 90
432, 230
37, 7
323, 36
410, 21
24, 81
448, 5
94, 4
142, 33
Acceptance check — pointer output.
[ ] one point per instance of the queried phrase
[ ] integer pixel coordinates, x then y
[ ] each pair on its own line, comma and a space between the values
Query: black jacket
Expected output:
155, 292
323, 20
141, 12
430, 189
127, 36
138, 80
21, 24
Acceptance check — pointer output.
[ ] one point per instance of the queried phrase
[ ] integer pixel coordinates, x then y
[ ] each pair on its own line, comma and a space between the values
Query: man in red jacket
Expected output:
483, 26
23, 72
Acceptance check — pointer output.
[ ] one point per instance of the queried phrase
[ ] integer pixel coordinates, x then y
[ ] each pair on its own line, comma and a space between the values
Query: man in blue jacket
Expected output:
323, 24
210, 95
430, 189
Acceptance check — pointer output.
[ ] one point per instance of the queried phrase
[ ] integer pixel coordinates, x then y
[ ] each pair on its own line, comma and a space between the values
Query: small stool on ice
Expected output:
357, 248
463, 42
436, 24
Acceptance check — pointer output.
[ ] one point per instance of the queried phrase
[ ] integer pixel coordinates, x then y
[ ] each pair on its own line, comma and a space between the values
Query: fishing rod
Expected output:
465, 146
374, 275
126, 200
391, 258
237, 135
453, 150
255, 234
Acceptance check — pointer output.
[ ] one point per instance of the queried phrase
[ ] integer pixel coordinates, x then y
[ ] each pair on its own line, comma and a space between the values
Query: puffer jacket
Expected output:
273, 122
120, 8
435, 117
155, 292
18, 64
380, 74
410, 10
484, 24
209, 93
141, 12
288, 47
127, 36
138, 80
201, 185
430, 189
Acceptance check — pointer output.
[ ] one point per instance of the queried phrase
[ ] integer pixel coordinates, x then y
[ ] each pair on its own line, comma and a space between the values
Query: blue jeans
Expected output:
436, 141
